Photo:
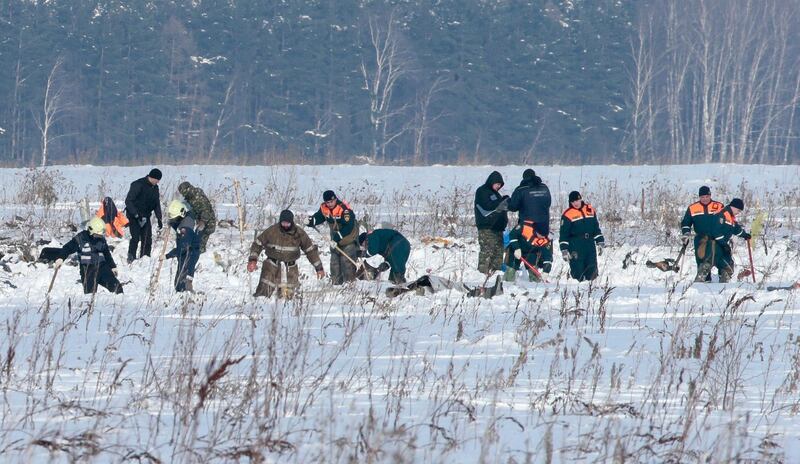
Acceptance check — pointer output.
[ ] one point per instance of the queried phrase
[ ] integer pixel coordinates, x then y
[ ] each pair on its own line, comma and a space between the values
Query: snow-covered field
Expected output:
639, 366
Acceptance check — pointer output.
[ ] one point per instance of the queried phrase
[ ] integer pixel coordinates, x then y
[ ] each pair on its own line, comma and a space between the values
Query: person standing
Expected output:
141, 202
701, 215
202, 209
724, 229
532, 200
394, 248
580, 238
343, 227
491, 219
282, 243
187, 245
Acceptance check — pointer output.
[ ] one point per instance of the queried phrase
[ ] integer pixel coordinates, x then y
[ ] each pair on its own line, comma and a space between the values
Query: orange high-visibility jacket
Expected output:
116, 227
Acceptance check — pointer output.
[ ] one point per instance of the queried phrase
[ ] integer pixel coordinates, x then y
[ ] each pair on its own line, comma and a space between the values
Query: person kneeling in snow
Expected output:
187, 245
394, 248
97, 266
528, 244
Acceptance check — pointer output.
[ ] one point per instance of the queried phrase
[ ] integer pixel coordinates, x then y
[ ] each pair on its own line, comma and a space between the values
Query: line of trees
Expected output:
391, 81
715, 81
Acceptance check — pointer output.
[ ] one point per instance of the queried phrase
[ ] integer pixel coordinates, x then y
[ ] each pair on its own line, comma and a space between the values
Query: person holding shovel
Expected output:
343, 227
526, 244
701, 215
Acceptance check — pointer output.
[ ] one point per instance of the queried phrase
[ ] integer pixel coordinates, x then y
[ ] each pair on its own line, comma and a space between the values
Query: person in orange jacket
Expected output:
114, 220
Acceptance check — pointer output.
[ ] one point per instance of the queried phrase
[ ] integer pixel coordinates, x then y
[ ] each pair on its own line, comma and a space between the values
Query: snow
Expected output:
641, 366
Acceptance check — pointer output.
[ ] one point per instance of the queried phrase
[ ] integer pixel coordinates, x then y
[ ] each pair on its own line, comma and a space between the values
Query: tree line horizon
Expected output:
416, 82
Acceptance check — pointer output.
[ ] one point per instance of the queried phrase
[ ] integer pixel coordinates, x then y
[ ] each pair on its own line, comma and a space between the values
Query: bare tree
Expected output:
642, 74
424, 118
54, 108
382, 72
223, 116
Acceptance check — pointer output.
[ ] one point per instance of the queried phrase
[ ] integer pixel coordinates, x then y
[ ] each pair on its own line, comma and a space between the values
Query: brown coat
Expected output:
281, 245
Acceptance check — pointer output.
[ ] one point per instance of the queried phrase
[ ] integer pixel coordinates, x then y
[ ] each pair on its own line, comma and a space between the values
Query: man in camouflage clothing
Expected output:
282, 243
202, 210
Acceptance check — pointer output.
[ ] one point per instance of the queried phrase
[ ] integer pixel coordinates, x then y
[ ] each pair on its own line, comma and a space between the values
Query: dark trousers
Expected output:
140, 234
94, 275
186, 265
398, 252
583, 265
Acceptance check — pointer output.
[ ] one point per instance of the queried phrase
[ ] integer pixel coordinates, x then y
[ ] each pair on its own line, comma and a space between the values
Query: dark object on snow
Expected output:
433, 284
795, 286
668, 264
628, 260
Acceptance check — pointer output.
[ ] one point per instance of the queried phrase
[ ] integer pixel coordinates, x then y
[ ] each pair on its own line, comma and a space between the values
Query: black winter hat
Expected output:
286, 216
328, 195
362, 237
155, 173
737, 203
704, 190
574, 195
528, 174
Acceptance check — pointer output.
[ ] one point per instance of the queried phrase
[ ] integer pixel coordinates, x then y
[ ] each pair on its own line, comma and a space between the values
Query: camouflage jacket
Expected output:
199, 202
282, 245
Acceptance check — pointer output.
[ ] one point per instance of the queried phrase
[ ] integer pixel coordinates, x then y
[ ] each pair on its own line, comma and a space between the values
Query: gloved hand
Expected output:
252, 265
115, 272
685, 239
201, 224
310, 222
142, 221
160, 225
600, 247
334, 244
746, 236
565, 254
58, 262
320, 273
503, 206
518, 253
383, 267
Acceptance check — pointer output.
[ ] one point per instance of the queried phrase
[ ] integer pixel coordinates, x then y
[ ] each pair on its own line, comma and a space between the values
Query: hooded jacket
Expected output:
490, 213
532, 200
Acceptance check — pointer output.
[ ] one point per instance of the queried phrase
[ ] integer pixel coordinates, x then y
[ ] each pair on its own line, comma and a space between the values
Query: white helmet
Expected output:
96, 226
177, 209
